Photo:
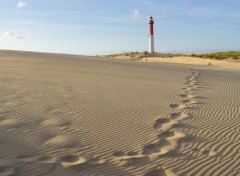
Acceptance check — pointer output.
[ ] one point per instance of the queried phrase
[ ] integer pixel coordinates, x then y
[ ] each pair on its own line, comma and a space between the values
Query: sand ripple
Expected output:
70, 115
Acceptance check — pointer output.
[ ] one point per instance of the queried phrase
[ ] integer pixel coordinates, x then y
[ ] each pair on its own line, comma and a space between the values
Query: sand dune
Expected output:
221, 64
72, 115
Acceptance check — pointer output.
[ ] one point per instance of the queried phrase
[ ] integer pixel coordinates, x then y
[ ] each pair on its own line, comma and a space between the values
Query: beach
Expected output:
71, 115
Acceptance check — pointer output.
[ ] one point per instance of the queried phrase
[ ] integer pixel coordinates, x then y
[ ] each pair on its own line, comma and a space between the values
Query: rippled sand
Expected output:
71, 115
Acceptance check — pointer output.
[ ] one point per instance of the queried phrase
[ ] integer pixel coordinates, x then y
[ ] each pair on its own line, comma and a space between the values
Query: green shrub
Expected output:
222, 55
145, 53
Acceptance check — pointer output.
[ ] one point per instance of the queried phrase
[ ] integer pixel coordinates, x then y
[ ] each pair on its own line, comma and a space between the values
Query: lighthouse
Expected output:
151, 38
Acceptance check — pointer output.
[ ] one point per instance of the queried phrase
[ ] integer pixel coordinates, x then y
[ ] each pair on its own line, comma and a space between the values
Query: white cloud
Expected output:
136, 16
21, 4
12, 35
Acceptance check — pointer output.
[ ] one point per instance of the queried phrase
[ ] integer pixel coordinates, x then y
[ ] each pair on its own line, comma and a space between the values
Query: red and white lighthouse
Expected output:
151, 38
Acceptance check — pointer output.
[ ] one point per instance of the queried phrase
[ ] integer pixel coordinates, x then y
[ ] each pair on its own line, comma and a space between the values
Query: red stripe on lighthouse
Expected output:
151, 22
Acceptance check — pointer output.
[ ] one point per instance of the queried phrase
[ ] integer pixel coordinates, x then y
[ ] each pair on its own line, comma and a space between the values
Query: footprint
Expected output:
173, 140
72, 160
61, 140
166, 134
186, 101
178, 106
168, 143
151, 148
166, 126
118, 154
159, 122
132, 153
174, 106
191, 96
179, 116
10, 123
184, 95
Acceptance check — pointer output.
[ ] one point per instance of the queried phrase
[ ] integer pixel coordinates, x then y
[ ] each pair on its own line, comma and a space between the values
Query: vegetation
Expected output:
235, 55
140, 55
132, 55
220, 55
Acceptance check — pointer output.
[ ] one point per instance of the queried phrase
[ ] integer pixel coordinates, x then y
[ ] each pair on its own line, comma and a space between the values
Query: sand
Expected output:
222, 64
72, 115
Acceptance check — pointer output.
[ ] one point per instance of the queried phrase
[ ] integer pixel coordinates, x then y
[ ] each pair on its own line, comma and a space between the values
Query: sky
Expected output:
95, 27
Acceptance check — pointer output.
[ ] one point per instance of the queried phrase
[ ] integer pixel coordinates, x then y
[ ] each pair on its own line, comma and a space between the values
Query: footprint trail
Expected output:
167, 137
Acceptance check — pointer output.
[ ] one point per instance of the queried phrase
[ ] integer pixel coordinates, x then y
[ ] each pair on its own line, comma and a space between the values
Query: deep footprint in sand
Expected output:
178, 106
166, 134
186, 101
71, 160
164, 124
118, 154
151, 148
173, 140
184, 95
159, 122
174, 106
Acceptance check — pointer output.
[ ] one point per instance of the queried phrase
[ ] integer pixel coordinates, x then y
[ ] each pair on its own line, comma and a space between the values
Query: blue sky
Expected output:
92, 27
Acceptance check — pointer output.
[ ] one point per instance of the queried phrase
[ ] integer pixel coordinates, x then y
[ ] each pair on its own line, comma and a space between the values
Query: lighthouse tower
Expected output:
151, 38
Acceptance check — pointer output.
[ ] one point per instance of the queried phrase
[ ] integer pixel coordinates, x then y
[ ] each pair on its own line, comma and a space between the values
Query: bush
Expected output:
222, 55
145, 53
